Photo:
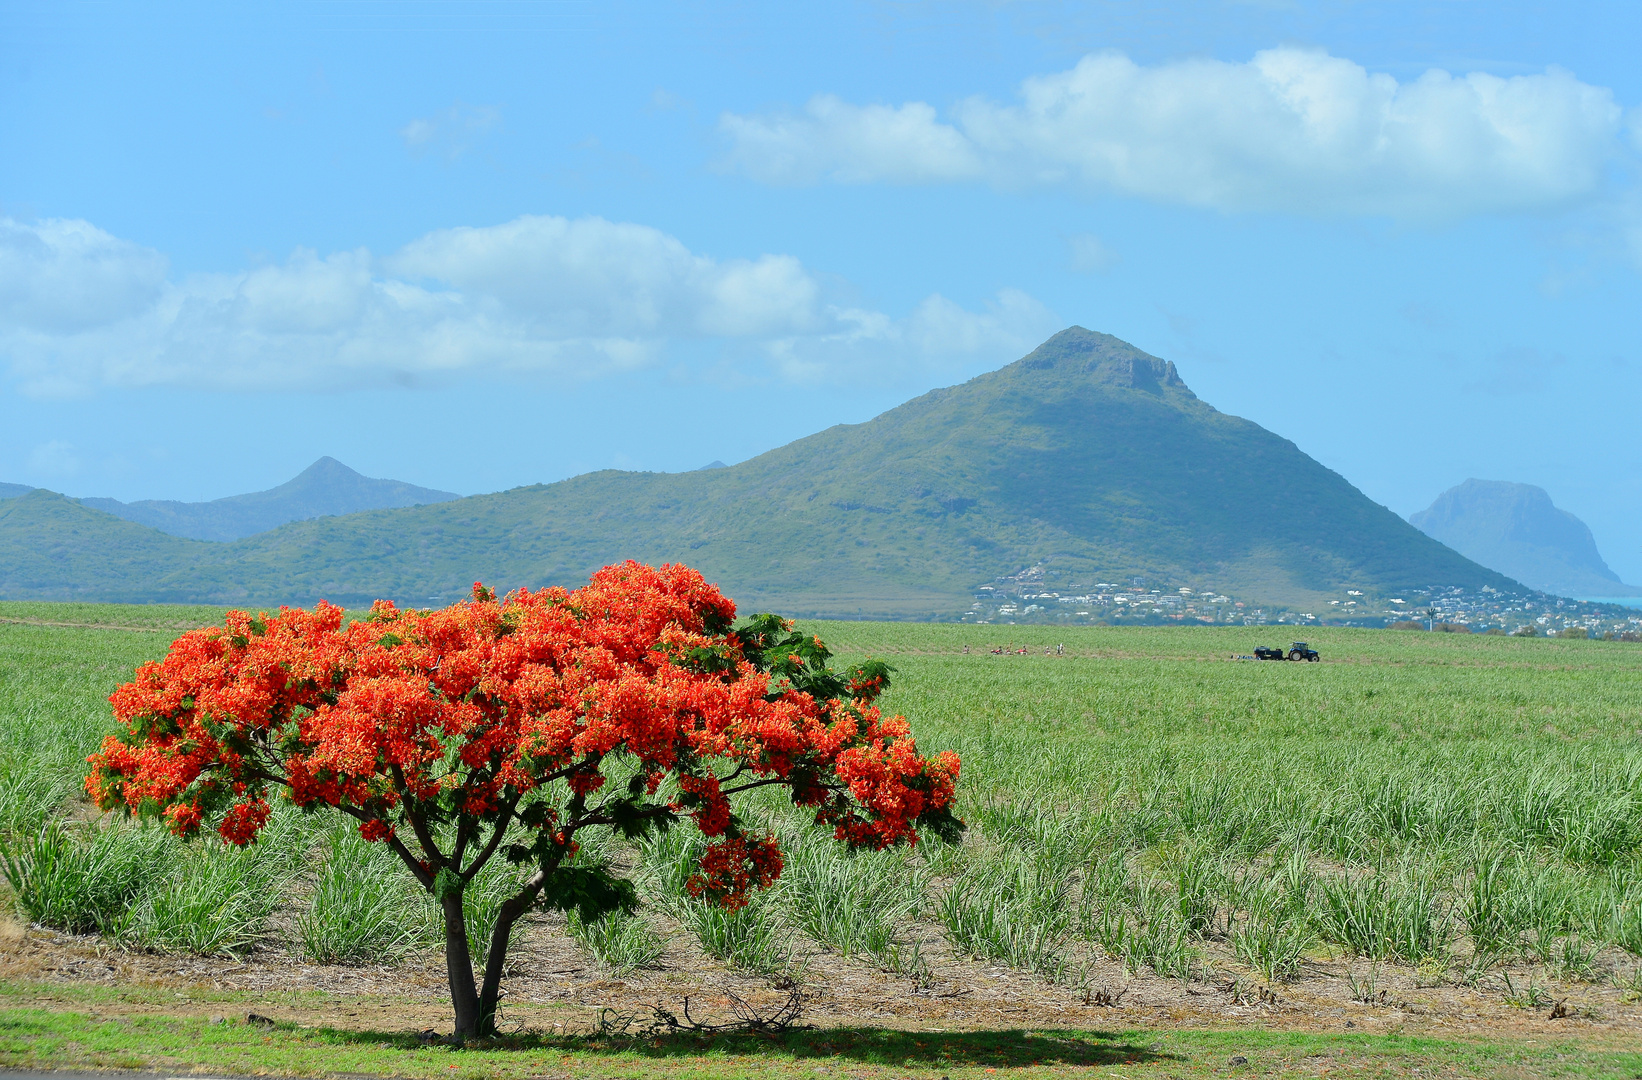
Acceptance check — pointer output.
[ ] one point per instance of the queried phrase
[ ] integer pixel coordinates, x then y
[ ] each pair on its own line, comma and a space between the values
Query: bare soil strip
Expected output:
554, 987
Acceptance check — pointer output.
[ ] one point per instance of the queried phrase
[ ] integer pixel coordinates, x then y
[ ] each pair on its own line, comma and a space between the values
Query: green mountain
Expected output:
1088, 457
53, 548
325, 488
1517, 530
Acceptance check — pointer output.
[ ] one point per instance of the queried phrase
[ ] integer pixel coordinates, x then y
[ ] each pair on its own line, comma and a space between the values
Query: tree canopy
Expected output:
493, 727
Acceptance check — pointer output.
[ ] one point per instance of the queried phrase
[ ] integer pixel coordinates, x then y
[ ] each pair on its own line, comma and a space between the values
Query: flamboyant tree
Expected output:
492, 726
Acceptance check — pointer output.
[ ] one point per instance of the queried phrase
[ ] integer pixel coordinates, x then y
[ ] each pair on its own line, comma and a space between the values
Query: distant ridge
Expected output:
54, 548
1087, 458
12, 491
1517, 530
325, 488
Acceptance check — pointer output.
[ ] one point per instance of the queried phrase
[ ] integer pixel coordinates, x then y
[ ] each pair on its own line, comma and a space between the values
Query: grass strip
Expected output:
34, 1037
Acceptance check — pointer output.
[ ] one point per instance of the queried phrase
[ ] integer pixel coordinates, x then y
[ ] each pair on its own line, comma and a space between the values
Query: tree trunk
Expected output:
464, 995
496, 959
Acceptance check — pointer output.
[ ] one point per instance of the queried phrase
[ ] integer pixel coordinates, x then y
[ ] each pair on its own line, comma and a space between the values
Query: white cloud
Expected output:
595, 277
69, 275
535, 296
451, 132
846, 143
937, 332
1293, 129
55, 458
1625, 225
1089, 255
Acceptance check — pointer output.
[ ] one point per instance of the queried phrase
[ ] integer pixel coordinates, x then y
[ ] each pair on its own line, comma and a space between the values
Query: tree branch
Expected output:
418, 826
599, 817
272, 778
767, 781
503, 823
424, 878
464, 830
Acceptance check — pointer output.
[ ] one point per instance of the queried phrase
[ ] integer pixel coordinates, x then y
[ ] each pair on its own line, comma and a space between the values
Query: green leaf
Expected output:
635, 819
446, 883
592, 891
949, 828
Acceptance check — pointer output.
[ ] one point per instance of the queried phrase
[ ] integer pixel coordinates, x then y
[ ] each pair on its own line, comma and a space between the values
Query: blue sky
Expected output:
476, 245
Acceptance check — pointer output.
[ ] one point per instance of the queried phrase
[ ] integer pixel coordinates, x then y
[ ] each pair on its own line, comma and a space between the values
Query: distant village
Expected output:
1027, 598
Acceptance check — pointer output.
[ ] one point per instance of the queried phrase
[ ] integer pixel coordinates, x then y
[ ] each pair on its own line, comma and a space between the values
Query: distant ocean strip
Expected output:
1628, 601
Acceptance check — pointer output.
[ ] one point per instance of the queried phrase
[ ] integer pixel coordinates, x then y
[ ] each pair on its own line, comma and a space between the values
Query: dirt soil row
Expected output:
553, 985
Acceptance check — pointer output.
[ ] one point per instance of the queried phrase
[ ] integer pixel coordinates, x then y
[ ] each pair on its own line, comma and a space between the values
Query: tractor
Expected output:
1298, 650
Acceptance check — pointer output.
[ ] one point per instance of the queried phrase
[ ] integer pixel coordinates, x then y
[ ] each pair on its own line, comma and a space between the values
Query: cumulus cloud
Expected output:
595, 277
834, 140
70, 275
535, 296
1292, 129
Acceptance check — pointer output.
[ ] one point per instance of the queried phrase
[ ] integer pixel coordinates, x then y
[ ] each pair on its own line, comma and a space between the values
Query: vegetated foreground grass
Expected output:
157, 617
1436, 799
71, 1032
1460, 805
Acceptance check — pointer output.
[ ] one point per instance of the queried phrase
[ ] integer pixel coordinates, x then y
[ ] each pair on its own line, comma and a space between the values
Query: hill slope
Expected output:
1088, 455
1517, 530
53, 548
325, 488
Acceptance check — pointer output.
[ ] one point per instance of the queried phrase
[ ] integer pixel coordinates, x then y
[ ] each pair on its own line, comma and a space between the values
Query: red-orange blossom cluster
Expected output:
484, 706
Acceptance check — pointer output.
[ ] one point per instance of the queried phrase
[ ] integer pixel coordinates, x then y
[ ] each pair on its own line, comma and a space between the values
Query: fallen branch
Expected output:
1104, 998
749, 1020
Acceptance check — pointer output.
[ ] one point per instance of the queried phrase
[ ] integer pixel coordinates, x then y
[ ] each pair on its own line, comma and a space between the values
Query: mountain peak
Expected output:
1087, 461
328, 465
325, 473
1077, 352
1517, 530
326, 488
